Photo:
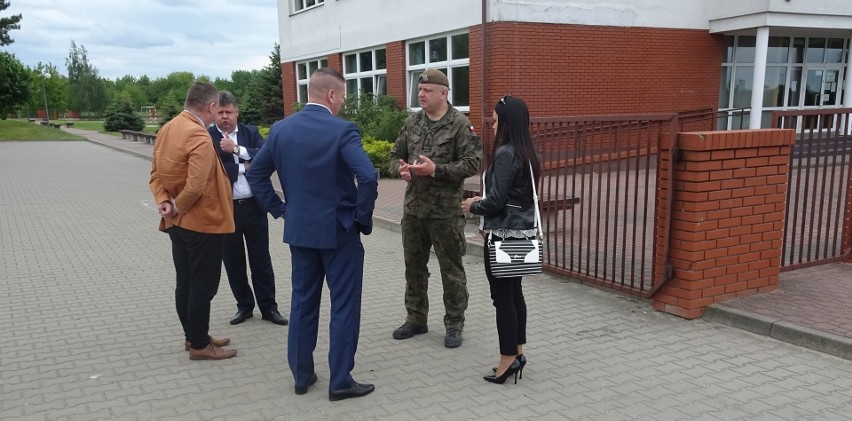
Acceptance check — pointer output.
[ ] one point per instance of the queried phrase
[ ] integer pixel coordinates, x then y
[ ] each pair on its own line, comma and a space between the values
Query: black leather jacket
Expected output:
508, 201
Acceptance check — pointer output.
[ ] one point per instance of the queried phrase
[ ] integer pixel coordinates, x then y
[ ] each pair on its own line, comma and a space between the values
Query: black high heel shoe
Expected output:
521, 359
513, 369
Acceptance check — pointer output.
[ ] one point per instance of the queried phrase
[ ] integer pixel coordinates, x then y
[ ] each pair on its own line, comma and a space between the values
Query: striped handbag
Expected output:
512, 257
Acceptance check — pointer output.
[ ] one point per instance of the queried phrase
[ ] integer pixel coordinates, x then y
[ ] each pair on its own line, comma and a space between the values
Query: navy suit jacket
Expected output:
318, 157
247, 136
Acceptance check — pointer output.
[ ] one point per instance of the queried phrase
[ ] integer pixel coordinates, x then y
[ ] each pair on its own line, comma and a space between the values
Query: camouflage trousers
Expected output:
447, 236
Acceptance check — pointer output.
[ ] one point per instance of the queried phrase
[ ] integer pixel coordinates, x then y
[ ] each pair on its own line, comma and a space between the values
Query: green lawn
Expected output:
94, 125
98, 126
24, 130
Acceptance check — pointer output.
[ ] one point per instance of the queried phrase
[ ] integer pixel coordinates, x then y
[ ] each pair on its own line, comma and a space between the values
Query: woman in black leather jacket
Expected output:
507, 212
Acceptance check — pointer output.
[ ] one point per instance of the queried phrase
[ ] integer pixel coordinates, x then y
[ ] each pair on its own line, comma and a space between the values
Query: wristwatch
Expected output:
237, 150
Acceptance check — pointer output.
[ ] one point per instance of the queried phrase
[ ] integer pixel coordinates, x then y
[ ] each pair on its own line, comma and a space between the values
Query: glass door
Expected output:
822, 87
821, 90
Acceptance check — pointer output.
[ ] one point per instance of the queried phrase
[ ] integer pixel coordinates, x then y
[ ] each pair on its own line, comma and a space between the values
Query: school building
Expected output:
580, 57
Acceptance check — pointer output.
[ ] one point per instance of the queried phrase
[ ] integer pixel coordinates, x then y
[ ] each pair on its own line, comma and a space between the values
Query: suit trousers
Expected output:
343, 269
198, 265
250, 224
507, 296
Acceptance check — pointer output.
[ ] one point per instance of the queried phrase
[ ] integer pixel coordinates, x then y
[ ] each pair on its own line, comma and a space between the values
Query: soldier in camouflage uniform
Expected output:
435, 151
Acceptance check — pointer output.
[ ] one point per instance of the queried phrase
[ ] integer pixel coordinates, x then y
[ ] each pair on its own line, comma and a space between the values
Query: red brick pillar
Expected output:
395, 59
847, 219
335, 61
730, 190
288, 85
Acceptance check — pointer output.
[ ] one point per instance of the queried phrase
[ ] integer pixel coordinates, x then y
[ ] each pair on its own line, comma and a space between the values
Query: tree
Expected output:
241, 84
266, 92
167, 110
127, 89
7, 24
169, 92
47, 77
120, 116
14, 83
86, 90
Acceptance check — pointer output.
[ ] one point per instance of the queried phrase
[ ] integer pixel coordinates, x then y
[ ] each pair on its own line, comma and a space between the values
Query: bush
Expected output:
377, 116
122, 117
379, 153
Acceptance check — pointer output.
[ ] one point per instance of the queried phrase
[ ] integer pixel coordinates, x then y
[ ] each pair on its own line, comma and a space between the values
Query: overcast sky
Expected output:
147, 37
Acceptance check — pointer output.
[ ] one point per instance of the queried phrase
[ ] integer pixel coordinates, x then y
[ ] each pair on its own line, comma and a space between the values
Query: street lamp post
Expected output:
44, 93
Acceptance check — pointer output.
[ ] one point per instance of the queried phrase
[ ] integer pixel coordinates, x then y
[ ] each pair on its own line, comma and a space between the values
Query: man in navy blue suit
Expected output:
237, 144
319, 157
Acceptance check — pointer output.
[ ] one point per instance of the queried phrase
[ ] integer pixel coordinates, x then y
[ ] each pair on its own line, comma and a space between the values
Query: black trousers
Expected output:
198, 265
507, 296
251, 224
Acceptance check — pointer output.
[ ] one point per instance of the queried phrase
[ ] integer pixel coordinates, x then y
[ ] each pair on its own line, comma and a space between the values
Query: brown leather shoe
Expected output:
211, 353
214, 341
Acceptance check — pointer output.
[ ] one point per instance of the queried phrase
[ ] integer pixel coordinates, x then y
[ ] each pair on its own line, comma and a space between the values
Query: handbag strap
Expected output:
535, 203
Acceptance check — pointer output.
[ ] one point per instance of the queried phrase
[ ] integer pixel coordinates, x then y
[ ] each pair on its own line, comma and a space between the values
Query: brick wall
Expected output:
847, 219
580, 70
475, 82
730, 190
335, 62
395, 59
288, 75
596, 70
288, 83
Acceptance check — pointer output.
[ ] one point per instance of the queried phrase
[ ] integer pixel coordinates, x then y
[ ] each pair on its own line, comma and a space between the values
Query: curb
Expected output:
779, 329
473, 248
120, 149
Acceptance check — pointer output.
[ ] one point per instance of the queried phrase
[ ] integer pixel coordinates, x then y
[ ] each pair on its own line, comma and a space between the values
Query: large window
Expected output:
304, 69
447, 53
366, 71
299, 5
800, 72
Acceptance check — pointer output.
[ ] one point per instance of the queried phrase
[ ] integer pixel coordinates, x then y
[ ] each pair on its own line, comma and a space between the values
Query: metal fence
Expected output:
818, 194
603, 220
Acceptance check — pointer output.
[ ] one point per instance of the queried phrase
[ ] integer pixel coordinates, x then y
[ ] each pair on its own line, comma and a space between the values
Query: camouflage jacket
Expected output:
457, 153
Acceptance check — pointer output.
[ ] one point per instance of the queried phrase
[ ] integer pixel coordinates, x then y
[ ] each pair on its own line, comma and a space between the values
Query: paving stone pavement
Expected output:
810, 308
89, 330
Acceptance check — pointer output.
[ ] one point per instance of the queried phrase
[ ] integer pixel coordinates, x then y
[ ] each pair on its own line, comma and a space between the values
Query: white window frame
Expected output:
304, 81
302, 5
358, 74
734, 66
413, 71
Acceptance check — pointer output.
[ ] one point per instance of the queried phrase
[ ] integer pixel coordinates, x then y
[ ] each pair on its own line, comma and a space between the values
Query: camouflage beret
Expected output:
434, 76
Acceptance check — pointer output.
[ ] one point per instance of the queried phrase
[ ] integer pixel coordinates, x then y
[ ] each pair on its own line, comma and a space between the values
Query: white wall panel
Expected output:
642, 13
345, 25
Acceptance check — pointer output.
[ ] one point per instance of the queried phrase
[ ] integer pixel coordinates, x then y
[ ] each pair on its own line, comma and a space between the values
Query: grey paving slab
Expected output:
90, 331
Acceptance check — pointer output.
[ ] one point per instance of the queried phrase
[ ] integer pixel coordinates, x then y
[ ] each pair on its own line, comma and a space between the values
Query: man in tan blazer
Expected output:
193, 197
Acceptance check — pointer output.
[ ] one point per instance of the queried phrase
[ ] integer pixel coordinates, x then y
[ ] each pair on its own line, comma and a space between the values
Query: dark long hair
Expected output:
513, 127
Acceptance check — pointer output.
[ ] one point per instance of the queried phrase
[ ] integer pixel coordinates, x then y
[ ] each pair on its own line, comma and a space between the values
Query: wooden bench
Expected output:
135, 136
564, 203
31, 120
